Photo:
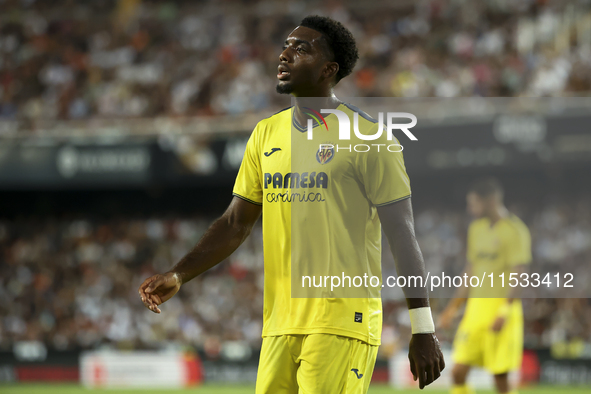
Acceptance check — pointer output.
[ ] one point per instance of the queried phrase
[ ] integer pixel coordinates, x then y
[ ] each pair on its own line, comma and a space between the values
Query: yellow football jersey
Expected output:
320, 219
494, 249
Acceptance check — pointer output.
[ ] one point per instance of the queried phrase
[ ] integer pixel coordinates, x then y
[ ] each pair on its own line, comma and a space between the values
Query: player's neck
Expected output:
497, 213
316, 103
330, 101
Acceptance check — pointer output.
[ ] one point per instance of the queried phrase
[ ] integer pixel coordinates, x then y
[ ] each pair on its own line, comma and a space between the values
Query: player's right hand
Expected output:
158, 289
446, 318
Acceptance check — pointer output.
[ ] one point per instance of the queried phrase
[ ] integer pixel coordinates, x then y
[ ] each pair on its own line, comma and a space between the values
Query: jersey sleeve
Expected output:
248, 182
383, 173
518, 247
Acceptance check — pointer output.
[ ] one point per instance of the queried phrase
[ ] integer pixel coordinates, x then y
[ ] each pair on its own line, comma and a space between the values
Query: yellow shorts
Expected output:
315, 364
476, 344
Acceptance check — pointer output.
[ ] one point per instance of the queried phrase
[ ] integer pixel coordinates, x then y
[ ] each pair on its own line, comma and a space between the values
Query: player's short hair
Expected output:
339, 39
487, 187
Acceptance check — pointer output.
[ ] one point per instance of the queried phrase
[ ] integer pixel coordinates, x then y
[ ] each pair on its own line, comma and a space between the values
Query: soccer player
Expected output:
490, 334
321, 208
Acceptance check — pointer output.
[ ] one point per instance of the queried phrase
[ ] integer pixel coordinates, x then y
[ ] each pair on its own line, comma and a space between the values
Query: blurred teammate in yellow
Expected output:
490, 334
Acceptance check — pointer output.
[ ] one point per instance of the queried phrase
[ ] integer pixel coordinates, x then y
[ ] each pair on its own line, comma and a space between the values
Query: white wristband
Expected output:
421, 320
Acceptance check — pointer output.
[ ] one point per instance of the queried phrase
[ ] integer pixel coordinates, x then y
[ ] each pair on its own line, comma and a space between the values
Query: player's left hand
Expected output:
498, 324
426, 359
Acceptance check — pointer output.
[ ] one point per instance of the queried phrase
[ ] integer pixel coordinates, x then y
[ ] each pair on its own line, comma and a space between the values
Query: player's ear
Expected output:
330, 70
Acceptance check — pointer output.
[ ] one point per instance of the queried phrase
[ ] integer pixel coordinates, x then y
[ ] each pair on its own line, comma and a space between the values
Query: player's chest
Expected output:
311, 161
488, 245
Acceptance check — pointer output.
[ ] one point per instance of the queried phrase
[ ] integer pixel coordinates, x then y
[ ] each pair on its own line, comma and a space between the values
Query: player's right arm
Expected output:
460, 295
222, 238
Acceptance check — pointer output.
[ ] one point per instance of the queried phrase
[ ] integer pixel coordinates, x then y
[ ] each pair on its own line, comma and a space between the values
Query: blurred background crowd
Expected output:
71, 59
72, 282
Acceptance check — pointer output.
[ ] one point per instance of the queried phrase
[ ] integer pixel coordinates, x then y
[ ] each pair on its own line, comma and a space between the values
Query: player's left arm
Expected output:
518, 256
426, 359
514, 293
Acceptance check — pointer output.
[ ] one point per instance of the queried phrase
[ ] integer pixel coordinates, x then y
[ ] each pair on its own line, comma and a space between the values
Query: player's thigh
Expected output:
504, 350
277, 365
331, 364
468, 345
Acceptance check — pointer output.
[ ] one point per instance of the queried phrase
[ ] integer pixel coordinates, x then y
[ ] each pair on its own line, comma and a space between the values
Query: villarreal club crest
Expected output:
325, 153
